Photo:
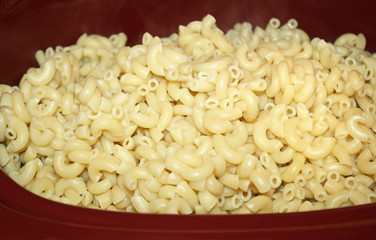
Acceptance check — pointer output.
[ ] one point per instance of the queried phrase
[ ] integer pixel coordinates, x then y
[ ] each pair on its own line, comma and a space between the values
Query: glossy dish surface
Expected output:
26, 26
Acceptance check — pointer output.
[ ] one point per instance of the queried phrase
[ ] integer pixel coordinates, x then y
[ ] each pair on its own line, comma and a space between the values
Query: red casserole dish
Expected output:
27, 26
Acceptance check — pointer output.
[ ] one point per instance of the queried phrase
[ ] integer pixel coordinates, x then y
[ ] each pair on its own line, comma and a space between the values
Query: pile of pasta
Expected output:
201, 122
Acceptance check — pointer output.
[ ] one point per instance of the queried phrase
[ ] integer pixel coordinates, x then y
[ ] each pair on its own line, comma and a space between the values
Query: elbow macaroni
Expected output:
205, 122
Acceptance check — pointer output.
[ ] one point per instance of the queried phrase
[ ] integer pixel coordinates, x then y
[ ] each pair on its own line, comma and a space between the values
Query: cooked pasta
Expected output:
250, 120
